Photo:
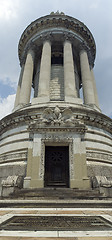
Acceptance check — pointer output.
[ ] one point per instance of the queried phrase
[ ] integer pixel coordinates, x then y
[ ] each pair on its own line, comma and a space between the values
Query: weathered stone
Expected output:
56, 61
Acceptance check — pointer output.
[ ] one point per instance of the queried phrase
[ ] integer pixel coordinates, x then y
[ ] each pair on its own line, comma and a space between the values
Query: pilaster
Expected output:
81, 180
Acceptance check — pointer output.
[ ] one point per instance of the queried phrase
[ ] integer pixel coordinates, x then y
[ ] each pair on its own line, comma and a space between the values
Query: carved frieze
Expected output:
33, 119
57, 118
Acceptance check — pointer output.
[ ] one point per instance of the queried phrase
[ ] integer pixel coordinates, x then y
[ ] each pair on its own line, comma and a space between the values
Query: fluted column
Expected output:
17, 99
45, 70
88, 91
95, 90
69, 74
27, 78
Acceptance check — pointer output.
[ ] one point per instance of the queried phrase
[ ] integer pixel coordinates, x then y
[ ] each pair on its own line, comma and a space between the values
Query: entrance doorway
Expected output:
57, 166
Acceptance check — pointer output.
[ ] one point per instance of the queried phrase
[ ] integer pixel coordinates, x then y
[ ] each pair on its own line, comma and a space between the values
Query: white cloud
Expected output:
8, 9
15, 15
6, 105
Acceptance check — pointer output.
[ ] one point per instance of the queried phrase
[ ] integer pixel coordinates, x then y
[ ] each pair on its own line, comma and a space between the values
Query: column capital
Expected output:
68, 37
30, 47
67, 40
47, 37
84, 48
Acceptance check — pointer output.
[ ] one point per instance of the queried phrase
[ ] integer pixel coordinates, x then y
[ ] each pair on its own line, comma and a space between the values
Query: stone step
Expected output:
55, 193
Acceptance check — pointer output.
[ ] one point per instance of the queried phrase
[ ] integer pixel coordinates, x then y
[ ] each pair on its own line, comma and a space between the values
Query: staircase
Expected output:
56, 193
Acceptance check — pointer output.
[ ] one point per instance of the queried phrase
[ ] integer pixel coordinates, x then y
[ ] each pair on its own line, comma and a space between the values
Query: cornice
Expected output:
56, 21
77, 118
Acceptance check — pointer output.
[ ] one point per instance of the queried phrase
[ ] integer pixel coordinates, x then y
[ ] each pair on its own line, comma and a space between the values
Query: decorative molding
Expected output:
99, 156
12, 157
58, 20
57, 13
63, 35
101, 181
84, 47
31, 118
30, 46
58, 139
13, 181
57, 118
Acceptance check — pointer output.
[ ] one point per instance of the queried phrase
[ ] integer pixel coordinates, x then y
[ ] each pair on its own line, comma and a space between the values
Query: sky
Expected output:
16, 15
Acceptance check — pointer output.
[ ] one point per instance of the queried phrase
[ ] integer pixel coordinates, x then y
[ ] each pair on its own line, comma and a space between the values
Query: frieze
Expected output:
13, 157
50, 36
54, 137
57, 119
32, 117
99, 156
55, 21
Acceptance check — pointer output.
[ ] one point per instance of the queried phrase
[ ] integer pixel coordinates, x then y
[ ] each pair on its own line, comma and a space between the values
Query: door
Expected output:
57, 166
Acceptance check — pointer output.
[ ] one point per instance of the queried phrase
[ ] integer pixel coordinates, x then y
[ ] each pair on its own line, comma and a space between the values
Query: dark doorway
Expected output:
56, 166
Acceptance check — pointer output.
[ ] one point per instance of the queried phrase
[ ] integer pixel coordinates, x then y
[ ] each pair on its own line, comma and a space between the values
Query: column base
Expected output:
80, 183
73, 100
32, 183
21, 105
94, 107
26, 183
36, 183
42, 99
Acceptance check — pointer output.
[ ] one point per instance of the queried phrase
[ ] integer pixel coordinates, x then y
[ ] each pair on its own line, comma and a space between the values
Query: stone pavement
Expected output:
6, 213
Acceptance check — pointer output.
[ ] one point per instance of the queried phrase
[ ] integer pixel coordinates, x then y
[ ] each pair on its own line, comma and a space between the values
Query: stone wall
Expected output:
26, 133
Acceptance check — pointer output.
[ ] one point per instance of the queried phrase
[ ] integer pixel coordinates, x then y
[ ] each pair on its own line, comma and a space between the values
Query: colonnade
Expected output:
26, 76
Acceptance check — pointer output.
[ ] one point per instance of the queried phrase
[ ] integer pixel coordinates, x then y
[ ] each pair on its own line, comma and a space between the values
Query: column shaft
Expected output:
45, 71
69, 74
27, 78
17, 99
95, 90
88, 91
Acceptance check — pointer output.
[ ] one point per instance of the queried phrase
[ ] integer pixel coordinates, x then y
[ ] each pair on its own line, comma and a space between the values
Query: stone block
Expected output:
6, 191
26, 183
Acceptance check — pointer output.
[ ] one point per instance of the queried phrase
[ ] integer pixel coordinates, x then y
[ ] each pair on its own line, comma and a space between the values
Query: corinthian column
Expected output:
27, 78
69, 74
45, 71
88, 91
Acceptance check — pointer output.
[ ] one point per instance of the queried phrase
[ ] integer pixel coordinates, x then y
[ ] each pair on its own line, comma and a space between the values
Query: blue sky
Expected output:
16, 15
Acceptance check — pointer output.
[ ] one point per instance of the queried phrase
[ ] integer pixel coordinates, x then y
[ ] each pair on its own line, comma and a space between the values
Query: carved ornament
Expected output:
57, 118
31, 119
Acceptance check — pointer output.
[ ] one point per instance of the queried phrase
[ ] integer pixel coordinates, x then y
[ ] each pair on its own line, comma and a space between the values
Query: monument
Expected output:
54, 138
56, 146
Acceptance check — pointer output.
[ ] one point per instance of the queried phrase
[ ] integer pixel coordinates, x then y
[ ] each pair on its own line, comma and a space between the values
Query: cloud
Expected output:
8, 9
16, 15
6, 105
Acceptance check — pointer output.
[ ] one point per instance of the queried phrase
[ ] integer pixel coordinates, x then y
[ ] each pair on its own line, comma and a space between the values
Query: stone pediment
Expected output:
57, 119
